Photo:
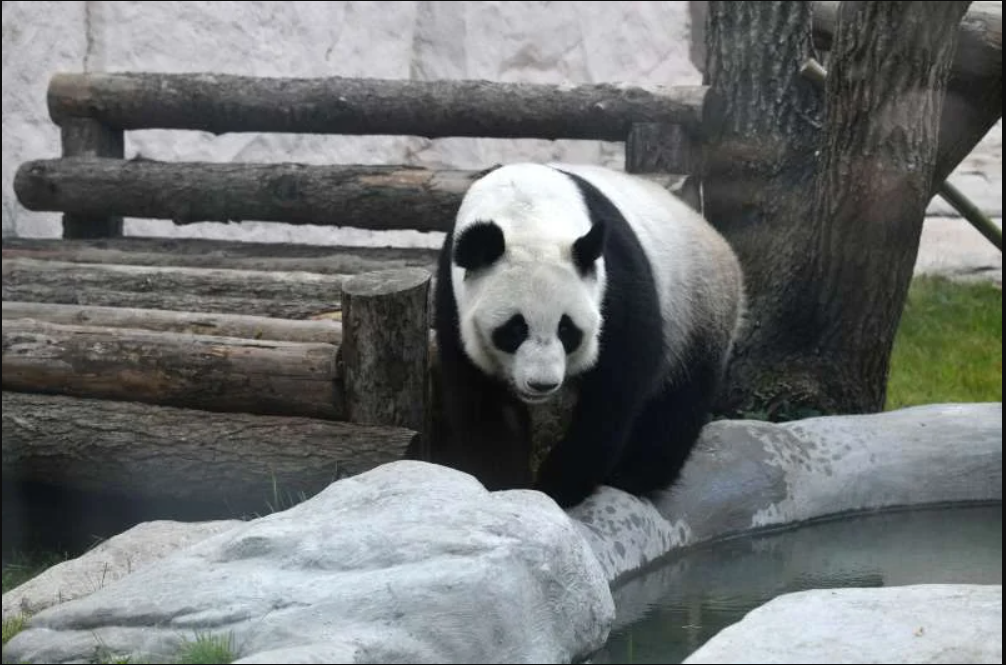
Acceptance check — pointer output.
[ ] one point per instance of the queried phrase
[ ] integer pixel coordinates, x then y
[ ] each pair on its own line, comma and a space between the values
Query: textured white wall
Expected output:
646, 43
579, 42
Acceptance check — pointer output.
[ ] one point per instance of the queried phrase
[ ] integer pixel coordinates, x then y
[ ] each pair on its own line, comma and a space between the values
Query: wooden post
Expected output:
385, 350
654, 147
87, 137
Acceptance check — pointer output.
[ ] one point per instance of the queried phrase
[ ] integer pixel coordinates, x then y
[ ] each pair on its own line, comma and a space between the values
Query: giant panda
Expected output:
560, 272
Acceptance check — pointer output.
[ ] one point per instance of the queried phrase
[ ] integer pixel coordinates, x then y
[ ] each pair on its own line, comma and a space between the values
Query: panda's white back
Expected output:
695, 272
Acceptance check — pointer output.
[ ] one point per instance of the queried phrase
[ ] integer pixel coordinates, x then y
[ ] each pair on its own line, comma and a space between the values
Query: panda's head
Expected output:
528, 277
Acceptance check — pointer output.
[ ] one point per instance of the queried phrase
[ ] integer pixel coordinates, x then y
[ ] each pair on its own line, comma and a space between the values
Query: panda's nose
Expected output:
542, 387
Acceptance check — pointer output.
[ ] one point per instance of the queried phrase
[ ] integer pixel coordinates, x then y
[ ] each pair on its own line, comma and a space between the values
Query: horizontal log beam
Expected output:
378, 198
324, 331
184, 454
224, 254
220, 103
293, 295
224, 374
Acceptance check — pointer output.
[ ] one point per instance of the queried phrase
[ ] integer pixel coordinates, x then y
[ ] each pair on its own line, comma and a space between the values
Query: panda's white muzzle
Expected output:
539, 368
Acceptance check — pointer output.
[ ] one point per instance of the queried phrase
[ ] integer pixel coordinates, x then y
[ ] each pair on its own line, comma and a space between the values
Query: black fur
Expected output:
484, 430
636, 419
479, 246
587, 249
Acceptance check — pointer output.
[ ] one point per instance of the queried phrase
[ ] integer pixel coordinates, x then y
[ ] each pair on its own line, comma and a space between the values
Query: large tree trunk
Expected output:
826, 222
761, 125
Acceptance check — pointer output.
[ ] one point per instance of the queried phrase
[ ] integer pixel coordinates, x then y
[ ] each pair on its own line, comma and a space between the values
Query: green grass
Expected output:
12, 626
949, 345
207, 649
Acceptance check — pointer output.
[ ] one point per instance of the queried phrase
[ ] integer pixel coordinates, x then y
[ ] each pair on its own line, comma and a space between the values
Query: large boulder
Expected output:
747, 475
415, 562
930, 623
410, 562
109, 561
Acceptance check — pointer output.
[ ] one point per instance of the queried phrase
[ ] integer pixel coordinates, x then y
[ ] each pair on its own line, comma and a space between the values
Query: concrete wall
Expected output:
647, 43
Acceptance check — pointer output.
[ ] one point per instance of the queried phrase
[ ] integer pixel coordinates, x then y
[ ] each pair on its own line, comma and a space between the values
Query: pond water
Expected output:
666, 614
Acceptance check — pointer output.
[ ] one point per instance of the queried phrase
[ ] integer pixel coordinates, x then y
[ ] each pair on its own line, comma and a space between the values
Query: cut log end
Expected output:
386, 282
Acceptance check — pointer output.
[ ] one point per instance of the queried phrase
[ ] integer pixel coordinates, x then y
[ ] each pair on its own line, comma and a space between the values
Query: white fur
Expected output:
541, 213
697, 276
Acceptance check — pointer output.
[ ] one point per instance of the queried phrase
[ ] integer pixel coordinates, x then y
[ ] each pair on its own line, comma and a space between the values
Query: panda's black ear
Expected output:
479, 246
587, 248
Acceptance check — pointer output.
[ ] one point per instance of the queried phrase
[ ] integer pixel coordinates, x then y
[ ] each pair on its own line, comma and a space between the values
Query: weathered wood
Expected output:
979, 37
142, 450
325, 331
822, 196
220, 103
385, 349
973, 100
194, 371
224, 254
378, 198
87, 137
658, 148
956, 198
279, 294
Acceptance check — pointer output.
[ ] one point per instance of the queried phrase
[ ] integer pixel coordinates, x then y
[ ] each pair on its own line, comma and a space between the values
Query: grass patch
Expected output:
11, 627
949, 345
207, 649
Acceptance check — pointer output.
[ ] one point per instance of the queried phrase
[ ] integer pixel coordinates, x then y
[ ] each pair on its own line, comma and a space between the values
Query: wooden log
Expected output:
193, 371
224, 254
88, 137
325, 331
658, 148
221, 103
142, 450
378, 198
278, 294
385, 349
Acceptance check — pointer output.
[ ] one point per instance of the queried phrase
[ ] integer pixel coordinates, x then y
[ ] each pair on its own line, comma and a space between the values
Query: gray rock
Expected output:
951, 247
747, 475
109, 561
414, 562
407, 563
912, 624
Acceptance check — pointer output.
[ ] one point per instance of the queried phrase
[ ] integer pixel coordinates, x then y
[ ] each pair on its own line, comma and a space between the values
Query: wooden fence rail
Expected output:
221, 103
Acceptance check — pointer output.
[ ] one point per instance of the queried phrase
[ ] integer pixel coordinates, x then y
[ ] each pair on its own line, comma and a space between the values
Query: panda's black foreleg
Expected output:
665, 433
586, 455
484, 430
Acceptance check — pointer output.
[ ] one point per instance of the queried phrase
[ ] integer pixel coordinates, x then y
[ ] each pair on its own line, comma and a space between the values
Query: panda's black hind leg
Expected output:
665, 433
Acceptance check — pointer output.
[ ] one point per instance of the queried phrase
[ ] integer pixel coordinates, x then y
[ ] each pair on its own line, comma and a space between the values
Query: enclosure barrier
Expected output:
95, 187
176, 368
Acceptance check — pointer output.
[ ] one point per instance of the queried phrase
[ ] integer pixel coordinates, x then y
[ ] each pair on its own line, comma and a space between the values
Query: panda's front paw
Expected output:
566, 487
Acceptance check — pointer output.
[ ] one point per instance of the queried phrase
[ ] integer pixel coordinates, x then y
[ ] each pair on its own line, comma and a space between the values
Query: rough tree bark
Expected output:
222, 103
822, 198
215, 324
184, 370
146, 450
263, 293
221, 254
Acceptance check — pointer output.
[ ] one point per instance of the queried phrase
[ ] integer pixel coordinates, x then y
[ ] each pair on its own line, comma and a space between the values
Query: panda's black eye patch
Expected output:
569, 334
509, 336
